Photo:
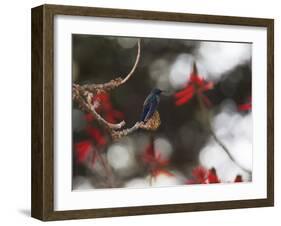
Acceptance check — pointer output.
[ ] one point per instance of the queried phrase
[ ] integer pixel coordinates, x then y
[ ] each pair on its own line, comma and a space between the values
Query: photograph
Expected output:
158, 112
149, 112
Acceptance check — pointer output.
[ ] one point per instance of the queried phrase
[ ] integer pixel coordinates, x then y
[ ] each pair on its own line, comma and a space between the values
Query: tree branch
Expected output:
84, 100
119, 134
152, 124
213, 134
218, 141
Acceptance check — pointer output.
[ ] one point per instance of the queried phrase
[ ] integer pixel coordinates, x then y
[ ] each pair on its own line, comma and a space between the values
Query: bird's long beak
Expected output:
166, 93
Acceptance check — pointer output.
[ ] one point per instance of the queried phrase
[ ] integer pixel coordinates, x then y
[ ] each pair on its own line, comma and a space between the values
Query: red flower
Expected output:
212, 176
238, 179
200, 175
89, 117
246, 106
195, 86
151, 156
106, 109
203, 176
82, 150
155, 161
96, 135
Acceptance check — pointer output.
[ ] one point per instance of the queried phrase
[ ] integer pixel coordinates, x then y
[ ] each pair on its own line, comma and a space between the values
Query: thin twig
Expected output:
152, 124
126, 132
103, 121
227, 151
135, 65
107, 169
213, 134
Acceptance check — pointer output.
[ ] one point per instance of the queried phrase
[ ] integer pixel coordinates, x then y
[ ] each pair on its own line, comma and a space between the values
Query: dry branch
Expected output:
84, 100
152, 124
216, 139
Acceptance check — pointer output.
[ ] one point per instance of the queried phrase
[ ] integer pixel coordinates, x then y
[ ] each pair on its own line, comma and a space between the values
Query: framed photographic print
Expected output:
140, 112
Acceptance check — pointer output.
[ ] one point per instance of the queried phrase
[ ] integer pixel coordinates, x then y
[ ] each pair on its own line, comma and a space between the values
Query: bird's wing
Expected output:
148, 99
146, 106
144, 112
152, 107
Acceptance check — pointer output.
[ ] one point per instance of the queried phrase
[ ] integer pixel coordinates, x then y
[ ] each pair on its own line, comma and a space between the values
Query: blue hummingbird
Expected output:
150, 104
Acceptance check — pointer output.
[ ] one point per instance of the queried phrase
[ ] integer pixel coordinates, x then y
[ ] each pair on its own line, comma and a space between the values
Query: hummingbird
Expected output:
150, 104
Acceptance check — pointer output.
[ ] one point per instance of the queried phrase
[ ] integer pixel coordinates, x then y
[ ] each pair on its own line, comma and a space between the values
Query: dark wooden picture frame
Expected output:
42, 203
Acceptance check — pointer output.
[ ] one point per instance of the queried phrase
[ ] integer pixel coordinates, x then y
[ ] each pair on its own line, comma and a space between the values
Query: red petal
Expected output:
212, 176
82, 150
184, 99
196, 80
89, 117
103, 96
238, 179
245, 107
155, 160
96, 135
200, 173
186, 91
